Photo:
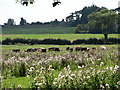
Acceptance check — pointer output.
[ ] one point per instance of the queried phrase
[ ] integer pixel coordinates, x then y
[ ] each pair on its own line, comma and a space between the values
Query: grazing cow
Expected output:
94, 48
78, 48
102, 47
54, 49
71, 49
16, 50
84, 49
41, 50
67, 48
31, 50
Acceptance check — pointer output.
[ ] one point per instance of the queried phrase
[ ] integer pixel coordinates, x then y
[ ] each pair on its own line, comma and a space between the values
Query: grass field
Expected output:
92, 69
58, 36
42, 30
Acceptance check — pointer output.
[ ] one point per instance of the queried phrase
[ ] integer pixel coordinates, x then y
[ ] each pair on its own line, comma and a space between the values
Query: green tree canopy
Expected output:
11, 21
102, 20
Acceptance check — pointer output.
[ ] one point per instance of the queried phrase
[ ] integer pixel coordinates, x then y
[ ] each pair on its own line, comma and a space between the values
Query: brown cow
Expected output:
41, 50
78, 48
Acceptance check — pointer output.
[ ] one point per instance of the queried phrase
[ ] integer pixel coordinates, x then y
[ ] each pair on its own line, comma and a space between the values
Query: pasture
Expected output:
57, 36
64, 69
82, 69
38, 30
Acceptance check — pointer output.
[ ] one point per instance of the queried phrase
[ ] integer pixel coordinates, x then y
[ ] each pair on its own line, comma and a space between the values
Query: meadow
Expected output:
40, 30
92, 69
57, 36
83, 69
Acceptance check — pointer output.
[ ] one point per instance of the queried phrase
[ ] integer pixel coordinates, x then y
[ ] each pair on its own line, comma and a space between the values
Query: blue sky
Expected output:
43, 11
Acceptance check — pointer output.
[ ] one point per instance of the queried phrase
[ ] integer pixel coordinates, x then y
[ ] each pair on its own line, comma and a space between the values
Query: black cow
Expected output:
31, 50
54, 49
67, 48
16, 50
94, 48
84, 49
71, 49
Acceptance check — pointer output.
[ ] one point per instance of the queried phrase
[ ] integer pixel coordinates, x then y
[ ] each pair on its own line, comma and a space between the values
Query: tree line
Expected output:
91, 19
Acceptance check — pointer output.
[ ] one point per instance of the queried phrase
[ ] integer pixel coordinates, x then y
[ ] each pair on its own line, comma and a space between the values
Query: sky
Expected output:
43, 11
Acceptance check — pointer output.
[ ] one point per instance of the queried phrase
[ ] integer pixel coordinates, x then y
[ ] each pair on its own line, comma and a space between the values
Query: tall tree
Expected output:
103, 20
23, 21
11, 21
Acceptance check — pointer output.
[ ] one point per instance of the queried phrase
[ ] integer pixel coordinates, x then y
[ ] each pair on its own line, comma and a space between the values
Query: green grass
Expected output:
13, 81
58, 36
41, 30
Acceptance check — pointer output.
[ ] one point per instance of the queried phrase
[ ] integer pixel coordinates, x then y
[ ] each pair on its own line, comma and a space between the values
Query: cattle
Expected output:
71, 49
102, 47
31, 50
84, 49
78, 48
54, 49
67, 48
16, 50
41, 50
94, 48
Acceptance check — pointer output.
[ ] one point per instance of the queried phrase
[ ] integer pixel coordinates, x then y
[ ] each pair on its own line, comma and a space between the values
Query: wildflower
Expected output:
88, 77
101, 86
116, 67
118, 82
70, 78
79, 67
98, 71
111, 68
19, 86
107, 85
72, 75
31, 68
54, 83
38, 84
55, 79
102, 63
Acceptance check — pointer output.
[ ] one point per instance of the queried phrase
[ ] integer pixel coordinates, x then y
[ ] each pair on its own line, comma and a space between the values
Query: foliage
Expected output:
102, 20
80, 28
9, 41
23, 21
11, 21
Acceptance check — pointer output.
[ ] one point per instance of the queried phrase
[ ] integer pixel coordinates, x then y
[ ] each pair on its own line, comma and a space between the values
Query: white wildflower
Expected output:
118, 82
88, 77
19, 86
31, 68
107, 85
38, 84
102, 63
116, 67
54, 83
79, 67
111, 68
101, 86
72, 75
